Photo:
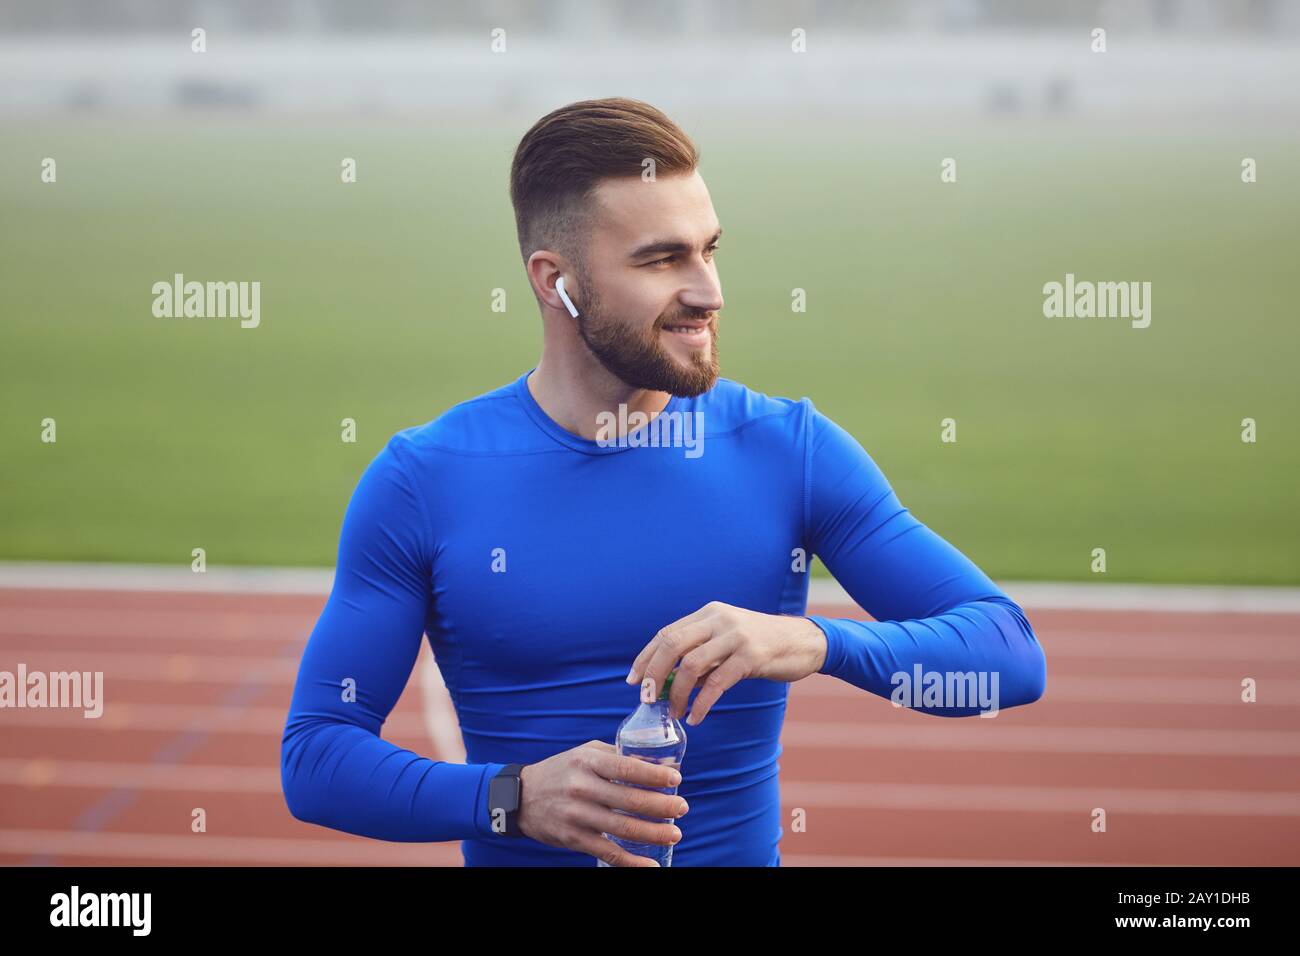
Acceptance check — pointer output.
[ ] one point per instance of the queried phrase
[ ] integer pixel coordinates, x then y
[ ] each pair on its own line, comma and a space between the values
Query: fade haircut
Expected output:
566, 154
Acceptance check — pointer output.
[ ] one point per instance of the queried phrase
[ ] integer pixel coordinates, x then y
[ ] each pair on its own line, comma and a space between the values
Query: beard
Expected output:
639, 359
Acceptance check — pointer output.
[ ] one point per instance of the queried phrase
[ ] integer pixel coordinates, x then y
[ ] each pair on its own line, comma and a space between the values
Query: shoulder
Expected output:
493, 423
731, 406
790, 424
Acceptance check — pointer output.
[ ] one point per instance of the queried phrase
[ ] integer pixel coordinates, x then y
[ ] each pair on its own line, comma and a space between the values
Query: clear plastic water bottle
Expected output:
650, 734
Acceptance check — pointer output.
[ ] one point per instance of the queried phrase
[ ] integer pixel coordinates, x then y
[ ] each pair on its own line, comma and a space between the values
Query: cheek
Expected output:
629, 305
640, 306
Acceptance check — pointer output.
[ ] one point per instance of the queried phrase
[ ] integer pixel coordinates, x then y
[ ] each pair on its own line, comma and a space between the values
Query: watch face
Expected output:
503, 801
509, 793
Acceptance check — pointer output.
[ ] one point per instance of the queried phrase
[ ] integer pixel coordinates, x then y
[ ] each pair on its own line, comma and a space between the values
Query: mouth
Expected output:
692, 333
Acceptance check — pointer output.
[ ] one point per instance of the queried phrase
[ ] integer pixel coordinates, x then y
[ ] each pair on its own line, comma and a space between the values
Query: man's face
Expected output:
649, 294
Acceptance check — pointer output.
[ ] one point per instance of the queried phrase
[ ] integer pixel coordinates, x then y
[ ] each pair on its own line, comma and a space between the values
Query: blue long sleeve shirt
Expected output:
539, 563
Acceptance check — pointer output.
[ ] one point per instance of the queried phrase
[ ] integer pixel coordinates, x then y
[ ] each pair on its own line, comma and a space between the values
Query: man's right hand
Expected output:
569, 800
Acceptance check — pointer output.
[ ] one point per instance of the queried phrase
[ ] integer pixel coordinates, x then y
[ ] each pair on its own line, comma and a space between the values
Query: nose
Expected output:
705, 291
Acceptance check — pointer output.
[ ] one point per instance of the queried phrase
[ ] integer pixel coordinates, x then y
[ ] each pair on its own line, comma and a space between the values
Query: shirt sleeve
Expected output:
935, 611
335, 769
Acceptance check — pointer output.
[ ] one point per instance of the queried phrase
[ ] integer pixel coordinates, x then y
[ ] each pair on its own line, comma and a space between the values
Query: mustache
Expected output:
707, 316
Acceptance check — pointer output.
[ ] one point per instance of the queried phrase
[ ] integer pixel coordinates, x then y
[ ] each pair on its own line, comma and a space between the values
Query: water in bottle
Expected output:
650, 734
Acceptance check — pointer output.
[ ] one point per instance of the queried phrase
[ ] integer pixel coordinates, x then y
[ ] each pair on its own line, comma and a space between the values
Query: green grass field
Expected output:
924, 303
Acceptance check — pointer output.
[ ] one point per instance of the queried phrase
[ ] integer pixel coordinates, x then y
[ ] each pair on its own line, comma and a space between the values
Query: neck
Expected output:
574, 389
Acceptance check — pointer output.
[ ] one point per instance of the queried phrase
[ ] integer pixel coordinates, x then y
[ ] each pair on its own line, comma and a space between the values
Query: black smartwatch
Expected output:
505, 794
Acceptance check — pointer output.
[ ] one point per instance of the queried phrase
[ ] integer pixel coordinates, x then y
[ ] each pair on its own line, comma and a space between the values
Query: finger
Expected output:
629, 828
612, 767
671, 646
695, 666
647, 652
644, 803
602, 848
715, 685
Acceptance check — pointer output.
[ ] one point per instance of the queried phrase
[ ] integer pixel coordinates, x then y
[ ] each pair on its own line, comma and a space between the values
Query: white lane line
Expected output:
236, 623
175, 668
1132, 650
1104, 691
1201, 598
1144, 645
972, 734
1071, 596
158, 577
248, 625
1100, 690
1281, 692
44, 772
979, 735
209, 847
268, 629
1033, 799
48, 772
273, 580
213, 718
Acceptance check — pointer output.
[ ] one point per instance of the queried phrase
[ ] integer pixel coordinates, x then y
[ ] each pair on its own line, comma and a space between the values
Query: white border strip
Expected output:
1042, 595
1069, 595
164, 577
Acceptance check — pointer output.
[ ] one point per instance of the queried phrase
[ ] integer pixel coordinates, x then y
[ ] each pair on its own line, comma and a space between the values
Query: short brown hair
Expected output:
560, 161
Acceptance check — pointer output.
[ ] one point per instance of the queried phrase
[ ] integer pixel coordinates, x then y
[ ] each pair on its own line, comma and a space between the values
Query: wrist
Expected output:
818, 646
523, 796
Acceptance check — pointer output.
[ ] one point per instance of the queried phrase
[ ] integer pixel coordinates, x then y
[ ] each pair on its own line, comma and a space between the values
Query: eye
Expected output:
711, 249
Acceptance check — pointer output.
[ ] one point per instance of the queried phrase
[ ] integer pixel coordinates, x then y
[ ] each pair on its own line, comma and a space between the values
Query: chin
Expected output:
683, 389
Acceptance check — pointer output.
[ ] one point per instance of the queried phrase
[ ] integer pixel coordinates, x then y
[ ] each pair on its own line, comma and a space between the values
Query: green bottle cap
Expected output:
668, 683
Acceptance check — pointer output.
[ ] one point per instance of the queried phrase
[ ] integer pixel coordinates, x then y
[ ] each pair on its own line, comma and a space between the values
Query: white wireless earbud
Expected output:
564, 296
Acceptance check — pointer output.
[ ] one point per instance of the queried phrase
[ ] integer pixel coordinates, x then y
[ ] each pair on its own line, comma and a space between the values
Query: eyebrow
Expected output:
667, 245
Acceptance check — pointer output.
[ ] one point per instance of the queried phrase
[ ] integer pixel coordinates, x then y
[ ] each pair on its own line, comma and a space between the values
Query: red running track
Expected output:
1143, 717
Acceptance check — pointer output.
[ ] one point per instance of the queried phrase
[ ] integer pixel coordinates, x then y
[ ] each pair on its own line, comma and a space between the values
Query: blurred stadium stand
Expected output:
1166, 59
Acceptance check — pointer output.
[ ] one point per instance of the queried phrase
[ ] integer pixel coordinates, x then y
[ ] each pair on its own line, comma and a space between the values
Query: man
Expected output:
547, 535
